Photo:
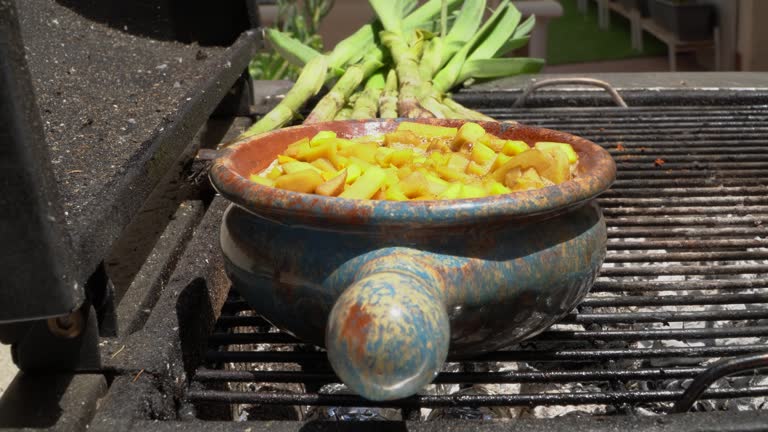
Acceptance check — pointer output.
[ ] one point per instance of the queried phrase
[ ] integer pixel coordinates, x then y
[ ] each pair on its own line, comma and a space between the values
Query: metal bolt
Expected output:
67, 326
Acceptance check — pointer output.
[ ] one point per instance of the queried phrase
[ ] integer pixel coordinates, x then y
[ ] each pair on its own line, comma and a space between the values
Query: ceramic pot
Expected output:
391, 289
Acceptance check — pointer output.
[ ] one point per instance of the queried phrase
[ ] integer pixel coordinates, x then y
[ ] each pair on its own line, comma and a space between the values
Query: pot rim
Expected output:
597, 174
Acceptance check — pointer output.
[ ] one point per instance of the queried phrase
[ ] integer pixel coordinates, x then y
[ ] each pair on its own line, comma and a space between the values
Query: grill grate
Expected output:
684, 284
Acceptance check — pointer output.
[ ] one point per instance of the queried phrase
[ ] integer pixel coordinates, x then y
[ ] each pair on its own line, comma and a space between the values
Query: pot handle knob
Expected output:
388, 333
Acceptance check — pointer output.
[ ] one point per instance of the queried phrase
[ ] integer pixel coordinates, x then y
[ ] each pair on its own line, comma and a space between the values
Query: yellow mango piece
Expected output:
364, 151
546, 146
457, 162
436, 158
414, 185
294, 167
478, 169
334, 186
294, 149
274, 173
482, 154
381, 194
367, 185
427, 130
324, 165
401, 157
419, 160
391, 179
302, 181
321, 137
530, 179
383, 155
435, 185
404, 172
339, 161
327, 175
283, 159
501, 159
513, 148
530, 159
496, 188
450, 174
345, 144
394, 193
468, 133
451, 192
493, 142
324, 150
559, 170
510, 179
472, 191
353, 172
400, 138
364, 164
255, 178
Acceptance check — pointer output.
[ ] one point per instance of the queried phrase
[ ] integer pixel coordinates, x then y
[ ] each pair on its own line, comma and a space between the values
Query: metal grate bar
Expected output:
507, 356
213, 375
641, 211
559, 335
684, 270
686, 256
615, 245
614, 397
669, 300
609, 286
664, 316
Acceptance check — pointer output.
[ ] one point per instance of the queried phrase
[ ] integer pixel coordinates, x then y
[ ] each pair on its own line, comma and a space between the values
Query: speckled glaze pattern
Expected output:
393, 288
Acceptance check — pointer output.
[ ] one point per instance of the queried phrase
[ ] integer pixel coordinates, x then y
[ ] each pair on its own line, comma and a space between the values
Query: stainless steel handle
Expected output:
535, 85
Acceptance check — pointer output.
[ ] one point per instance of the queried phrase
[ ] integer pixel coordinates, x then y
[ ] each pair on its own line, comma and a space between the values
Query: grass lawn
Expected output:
576, 38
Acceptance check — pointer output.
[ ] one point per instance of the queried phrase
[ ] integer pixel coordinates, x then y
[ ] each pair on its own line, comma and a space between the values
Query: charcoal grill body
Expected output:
389, 293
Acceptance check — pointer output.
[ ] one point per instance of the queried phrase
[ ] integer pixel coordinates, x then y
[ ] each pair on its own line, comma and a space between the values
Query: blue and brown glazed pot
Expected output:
391, 289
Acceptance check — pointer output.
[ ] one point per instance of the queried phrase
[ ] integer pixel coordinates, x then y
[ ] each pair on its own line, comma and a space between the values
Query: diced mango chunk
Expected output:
324, 165
512, 148
366, 185
558, 170
301, 181
294, 149
294, 167
567, 148
427, 130
261, 180
468, 133
482, 154
334, 186
472, 191
321, 137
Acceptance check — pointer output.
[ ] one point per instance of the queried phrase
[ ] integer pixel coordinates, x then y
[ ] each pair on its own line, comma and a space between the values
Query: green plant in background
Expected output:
301, 19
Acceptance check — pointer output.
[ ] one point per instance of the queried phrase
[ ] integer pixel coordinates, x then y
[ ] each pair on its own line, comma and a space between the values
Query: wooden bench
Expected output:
638, 25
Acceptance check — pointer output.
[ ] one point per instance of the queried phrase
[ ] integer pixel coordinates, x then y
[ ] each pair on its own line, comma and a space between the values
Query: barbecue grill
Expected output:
672, 336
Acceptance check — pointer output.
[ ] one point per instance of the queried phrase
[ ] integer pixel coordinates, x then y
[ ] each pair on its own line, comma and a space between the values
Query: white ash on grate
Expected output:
254, 412
685, 361
476, 413
335, 413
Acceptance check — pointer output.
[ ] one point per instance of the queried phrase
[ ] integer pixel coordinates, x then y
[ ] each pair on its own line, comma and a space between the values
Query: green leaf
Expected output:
501, 67
388, 12
525, 27
512, 45
500, 33
446, 78
466, 25
292, 50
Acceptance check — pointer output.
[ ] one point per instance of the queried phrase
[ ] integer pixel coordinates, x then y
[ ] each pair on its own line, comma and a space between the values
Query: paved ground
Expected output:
7, 368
